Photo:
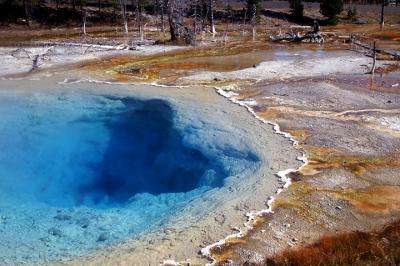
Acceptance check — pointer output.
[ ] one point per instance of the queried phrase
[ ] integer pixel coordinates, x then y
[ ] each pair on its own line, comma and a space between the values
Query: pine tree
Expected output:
296, 9
331, 9
253, 9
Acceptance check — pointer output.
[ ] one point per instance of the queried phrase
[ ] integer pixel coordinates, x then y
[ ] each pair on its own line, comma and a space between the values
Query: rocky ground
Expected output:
351, 137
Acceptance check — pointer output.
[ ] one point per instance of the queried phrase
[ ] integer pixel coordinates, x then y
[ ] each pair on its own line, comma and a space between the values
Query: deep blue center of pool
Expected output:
145, 153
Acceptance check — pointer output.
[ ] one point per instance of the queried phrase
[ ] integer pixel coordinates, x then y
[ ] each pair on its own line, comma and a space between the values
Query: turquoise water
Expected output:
80, 171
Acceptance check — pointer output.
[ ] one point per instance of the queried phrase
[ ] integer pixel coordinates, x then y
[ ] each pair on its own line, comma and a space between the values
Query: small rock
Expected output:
338, 208
55, 232
84, 222
62, 217
103, 237
228, 262
44, 239
235, 228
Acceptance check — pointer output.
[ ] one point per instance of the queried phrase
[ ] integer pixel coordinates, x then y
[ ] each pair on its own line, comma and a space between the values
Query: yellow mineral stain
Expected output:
246, 95
374, 199
269, 114
302, 197
165, 65
325, 158
299, 135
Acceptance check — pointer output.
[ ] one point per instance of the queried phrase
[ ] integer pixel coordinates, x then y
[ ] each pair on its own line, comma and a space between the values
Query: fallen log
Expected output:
87, 45
370, 49
314, 37
35, 63
21, 53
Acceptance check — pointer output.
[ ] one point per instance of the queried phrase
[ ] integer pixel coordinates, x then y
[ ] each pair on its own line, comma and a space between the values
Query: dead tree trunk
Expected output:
35, 63
84, 16
227, 22
244, 23
292, 37
172, 29
162, 20
195, 22
253, 20
374, 59
160, 12
124, 17
25, 4
393, 55
382, 14
212, 21
139, 19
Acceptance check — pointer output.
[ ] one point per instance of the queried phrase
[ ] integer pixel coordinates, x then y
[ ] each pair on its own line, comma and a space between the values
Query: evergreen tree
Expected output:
331, 9
296, 9
253, 9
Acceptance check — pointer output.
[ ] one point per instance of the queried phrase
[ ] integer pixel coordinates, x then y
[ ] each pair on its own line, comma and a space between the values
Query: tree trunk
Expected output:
212, 22
73, 5
179, 32
162, 19
125, 19
244, 24
374, 59
171, 21
195, 22
227, 22
139, 20
26, 10
84, 15
253, 20
382, 14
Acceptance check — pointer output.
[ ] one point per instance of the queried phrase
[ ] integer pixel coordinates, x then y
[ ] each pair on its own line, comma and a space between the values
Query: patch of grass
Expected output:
355, 248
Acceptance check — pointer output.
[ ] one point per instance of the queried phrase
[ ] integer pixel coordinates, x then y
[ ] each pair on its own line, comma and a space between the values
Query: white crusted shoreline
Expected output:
283, 177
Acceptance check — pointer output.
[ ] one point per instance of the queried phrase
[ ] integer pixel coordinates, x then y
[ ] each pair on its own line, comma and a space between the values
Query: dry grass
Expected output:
356, 248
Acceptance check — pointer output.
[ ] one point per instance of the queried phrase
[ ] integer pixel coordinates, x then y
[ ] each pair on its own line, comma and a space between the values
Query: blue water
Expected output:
80, 171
